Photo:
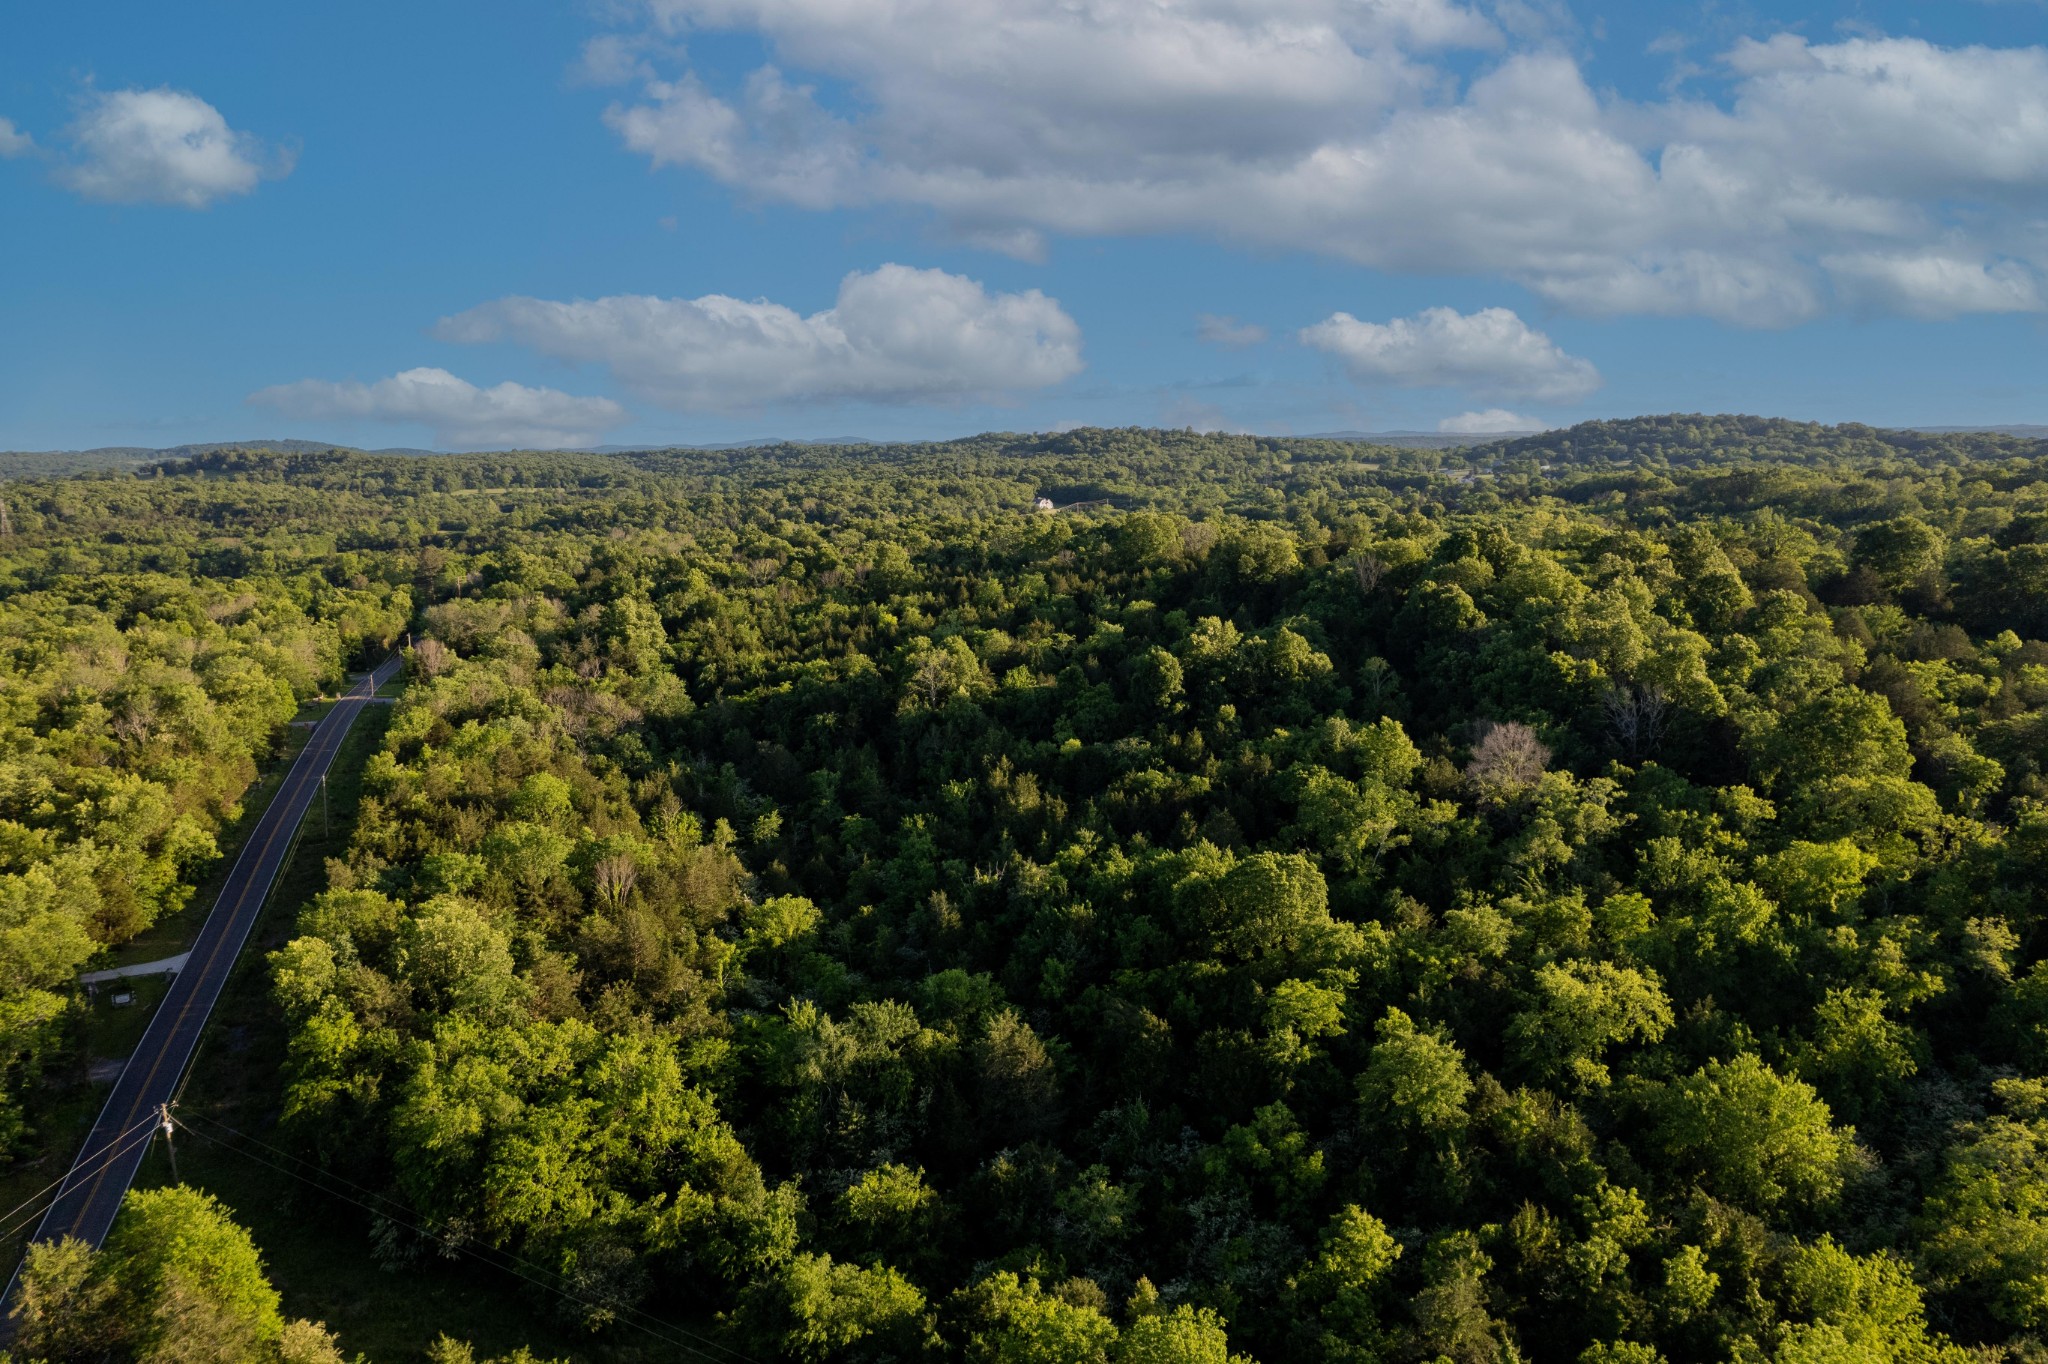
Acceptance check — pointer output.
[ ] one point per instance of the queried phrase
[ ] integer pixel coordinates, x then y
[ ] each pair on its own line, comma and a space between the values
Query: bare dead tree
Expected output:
1377, 682
432, 657
1508, 759
1368, 569
933, 679
1635, 713
135, 722
615, 878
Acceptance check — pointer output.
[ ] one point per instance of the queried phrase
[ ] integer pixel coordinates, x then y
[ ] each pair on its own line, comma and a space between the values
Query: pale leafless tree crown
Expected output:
615, 878
1507, 757
432, 657
930, 679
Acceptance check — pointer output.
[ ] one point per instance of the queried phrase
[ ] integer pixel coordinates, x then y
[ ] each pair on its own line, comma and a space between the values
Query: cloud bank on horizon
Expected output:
1870, 173
1491, 353
460, 414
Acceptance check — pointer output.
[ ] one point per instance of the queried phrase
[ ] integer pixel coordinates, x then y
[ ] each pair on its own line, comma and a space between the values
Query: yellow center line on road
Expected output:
322, 747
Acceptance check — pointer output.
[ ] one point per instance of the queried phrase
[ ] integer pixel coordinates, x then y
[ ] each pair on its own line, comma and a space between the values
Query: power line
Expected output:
108, 1154
507, 1262
540, 1276
146, 1122
227, 928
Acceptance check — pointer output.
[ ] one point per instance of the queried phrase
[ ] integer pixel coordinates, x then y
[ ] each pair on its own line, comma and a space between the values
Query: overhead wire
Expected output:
541, 1277
128, 1141
513, 1265
149, 1121
90, 1164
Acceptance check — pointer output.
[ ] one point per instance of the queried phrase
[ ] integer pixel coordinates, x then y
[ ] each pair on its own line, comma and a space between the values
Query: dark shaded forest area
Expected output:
1577, 899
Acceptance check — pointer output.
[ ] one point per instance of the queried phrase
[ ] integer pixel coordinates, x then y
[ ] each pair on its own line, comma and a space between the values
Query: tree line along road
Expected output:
91, 1193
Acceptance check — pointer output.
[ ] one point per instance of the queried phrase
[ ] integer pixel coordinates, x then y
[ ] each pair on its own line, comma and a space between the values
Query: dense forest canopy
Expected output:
140, 683
1580, 898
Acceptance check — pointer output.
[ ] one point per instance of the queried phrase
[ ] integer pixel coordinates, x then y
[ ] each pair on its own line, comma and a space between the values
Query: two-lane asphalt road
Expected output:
92, 1192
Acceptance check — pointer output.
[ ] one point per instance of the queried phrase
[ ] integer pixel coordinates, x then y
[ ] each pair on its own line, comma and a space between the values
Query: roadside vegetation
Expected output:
1577, 899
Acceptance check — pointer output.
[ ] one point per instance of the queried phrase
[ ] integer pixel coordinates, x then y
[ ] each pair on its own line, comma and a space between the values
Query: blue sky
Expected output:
467, 225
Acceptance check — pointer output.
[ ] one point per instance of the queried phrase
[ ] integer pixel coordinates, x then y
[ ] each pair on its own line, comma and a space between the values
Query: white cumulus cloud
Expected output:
895, 335
459, 413
13, 141
1338, 126
1491, 422
163, 146
1491, 352
1933, 284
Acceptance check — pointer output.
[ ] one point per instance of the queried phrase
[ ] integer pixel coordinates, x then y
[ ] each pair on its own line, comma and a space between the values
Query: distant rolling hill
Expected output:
116, 458
1677, 436
2028, 432
1422, 440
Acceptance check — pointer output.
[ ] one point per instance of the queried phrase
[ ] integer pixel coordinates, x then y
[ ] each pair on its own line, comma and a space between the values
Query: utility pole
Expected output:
170, 1150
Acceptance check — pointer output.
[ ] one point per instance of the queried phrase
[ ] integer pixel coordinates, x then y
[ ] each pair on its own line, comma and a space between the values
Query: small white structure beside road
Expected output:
169, 966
